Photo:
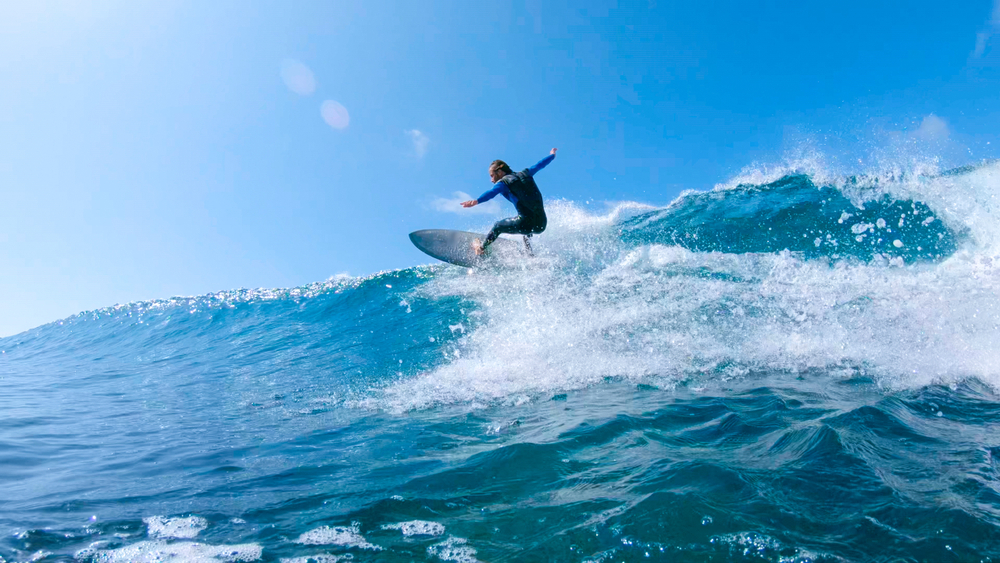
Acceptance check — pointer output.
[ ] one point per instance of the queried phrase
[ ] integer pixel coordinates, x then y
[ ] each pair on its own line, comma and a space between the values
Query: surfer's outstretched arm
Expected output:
497, 189
542, 163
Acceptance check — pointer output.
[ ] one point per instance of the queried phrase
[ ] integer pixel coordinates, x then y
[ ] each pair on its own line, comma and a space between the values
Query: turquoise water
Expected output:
792, 368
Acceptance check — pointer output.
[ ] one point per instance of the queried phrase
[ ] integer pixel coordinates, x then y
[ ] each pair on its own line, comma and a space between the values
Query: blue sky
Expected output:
153, 149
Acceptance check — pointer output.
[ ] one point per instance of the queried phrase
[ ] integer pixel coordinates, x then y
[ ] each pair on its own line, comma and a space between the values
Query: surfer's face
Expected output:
495, 174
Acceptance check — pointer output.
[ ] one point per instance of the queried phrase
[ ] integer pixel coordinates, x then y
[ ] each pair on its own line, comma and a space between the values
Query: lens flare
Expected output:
335, 115
297, 77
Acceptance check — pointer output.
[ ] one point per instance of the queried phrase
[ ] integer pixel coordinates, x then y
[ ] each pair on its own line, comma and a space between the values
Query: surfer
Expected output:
520, 189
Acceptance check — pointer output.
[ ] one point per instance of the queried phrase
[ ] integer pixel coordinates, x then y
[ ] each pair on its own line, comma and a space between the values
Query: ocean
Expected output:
791, 367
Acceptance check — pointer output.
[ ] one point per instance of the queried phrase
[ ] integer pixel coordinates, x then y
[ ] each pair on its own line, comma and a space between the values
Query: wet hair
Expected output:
501, 166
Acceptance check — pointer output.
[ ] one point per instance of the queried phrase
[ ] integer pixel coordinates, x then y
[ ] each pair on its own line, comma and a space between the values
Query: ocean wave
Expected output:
632, 393
789, 275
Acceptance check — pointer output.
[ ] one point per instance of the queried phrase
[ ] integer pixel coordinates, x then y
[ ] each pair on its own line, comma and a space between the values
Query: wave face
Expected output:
793, 214
786, 369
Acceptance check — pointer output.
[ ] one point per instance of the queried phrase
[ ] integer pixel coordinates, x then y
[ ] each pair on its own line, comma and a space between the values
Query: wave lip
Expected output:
794, 214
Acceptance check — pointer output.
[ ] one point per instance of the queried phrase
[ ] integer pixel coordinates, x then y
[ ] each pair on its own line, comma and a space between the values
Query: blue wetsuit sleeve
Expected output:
541, 164
497, 188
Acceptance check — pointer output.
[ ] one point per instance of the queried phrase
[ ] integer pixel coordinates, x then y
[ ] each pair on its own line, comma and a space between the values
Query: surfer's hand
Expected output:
553, 151
470, 203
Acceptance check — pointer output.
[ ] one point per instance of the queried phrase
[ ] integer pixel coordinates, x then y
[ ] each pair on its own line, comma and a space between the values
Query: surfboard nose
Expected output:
454, 247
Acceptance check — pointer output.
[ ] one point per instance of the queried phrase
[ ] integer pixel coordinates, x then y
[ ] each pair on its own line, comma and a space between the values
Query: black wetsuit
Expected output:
520, 189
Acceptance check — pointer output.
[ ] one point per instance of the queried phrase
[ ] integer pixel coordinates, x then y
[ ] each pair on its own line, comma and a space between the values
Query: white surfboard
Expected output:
455, 247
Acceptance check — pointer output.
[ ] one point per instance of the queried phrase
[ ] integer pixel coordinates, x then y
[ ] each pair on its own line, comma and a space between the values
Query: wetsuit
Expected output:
520, 189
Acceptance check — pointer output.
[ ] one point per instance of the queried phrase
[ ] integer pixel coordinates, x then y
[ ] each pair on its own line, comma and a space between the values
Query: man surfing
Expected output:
520, 189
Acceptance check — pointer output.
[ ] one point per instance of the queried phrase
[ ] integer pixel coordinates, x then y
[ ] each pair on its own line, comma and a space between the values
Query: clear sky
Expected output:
161, 148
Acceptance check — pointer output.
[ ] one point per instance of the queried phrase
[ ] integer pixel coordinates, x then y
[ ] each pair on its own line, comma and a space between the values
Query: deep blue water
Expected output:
798, 369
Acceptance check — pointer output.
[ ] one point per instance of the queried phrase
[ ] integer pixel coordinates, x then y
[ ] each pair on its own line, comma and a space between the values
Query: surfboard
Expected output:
455, 247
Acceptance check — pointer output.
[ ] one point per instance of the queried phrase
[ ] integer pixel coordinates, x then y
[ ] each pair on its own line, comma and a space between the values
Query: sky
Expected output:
150, 149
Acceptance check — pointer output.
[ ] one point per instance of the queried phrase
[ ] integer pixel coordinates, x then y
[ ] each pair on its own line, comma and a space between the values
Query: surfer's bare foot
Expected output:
477, 246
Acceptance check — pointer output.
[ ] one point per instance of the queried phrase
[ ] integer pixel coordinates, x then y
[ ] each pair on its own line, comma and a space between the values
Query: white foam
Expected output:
88, 551
185, 528
337, 535
806, 159
453, 549
159, 551
654, 313
319, 558
666, 314
762, 546
417, 528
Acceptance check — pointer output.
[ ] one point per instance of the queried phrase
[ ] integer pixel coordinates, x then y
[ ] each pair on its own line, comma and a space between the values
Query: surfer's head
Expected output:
499, 169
